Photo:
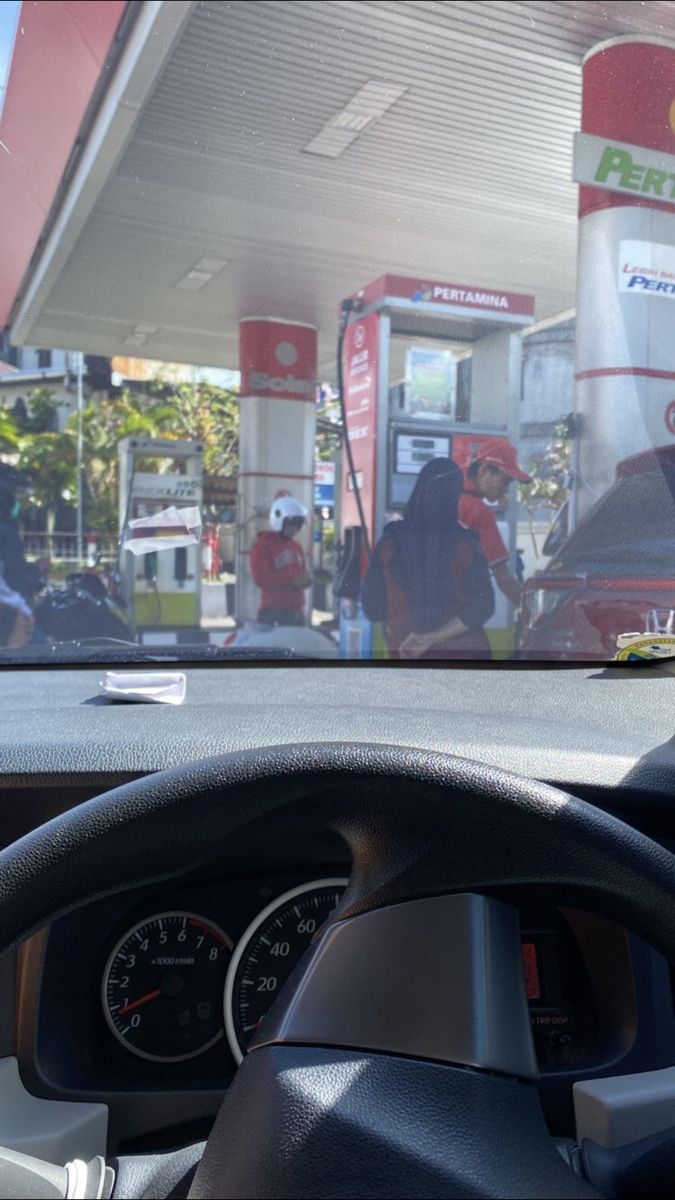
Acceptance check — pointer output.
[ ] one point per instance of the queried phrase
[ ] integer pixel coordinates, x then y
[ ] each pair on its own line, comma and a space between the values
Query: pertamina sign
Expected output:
620, 167
454, 297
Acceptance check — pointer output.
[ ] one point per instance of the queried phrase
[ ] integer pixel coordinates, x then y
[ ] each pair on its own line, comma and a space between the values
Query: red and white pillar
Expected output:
277, 360
625, 382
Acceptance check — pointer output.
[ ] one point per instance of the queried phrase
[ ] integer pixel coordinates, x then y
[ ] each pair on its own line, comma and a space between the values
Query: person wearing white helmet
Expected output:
279, 566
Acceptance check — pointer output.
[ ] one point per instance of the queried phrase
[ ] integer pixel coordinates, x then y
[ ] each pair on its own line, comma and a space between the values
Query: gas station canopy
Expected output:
254, 158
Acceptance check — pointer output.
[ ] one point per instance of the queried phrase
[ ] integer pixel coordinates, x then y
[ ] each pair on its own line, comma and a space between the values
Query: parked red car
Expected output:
614, 574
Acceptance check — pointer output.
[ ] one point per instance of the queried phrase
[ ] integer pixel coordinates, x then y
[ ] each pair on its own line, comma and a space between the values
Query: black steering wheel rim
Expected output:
417, 823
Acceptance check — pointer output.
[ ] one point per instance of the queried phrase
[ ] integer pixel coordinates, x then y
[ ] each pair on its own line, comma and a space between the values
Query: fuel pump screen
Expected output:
414, 450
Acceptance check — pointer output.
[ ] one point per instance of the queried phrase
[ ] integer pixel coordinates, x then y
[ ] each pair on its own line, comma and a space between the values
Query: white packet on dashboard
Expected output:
149, 687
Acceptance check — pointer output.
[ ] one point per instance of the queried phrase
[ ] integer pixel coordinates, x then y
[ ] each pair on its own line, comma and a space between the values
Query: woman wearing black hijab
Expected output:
428, 581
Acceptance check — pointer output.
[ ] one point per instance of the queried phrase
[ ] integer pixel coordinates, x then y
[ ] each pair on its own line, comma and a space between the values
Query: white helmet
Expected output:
283, 508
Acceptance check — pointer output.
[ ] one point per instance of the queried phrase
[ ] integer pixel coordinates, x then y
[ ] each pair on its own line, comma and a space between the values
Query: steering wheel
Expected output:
398, 1059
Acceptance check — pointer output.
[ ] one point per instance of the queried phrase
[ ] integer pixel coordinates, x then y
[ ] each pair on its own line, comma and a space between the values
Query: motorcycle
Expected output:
82, 608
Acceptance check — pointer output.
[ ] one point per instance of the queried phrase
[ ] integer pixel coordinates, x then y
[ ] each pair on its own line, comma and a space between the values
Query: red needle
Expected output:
135, 1003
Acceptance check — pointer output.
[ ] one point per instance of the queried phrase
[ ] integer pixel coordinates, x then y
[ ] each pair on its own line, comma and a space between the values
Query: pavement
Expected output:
224, 622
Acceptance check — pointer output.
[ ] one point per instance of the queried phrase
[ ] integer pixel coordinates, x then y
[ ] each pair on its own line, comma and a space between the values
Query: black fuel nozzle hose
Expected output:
346, 308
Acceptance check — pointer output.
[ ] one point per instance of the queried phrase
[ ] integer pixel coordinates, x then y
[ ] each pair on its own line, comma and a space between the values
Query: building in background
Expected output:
24, 369
548, 382
126, 370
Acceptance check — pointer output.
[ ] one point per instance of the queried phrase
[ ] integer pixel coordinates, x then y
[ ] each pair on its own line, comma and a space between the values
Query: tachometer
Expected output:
163, 985
268, 951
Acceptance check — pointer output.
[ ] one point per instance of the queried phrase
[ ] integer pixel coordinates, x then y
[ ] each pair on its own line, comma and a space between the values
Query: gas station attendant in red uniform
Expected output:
279, 567
487, 477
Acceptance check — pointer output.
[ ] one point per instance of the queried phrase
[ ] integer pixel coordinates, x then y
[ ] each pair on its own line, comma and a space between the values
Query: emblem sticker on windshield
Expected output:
637, 647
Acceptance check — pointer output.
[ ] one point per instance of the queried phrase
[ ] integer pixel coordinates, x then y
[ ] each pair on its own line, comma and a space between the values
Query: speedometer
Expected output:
162, 986
270, 948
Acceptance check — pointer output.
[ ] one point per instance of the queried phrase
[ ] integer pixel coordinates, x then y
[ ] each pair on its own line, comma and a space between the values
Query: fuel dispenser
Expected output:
160, 503
428, 370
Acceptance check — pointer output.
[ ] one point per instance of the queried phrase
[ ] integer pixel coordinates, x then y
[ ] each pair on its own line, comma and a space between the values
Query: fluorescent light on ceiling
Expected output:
194, 280
330, 142
212, 265
200, 274
369, 104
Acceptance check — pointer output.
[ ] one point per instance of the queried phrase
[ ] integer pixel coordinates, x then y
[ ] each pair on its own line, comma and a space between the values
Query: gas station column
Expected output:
278, 364
625, 165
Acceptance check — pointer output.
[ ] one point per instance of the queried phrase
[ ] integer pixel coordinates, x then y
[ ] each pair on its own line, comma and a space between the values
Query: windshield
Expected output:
319, 317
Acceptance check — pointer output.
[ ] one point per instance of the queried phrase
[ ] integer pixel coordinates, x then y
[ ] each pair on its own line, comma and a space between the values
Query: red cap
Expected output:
498, 452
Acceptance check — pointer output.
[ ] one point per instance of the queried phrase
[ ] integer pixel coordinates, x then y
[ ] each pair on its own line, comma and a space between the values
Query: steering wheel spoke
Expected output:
437, 979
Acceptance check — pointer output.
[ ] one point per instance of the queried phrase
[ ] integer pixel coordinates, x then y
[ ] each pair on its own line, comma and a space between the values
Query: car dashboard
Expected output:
94, 1025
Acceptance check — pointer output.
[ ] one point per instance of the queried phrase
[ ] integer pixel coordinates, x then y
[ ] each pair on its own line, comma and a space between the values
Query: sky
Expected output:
9, 16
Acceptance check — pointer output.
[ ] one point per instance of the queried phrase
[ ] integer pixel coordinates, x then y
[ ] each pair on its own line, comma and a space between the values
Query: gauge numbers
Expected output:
163, 984
269, 950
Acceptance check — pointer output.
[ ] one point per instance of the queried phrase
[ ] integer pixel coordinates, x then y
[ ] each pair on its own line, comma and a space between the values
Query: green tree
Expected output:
9, 434
49, 460
103, 426
551, 479
197, 412
551, 474
47, 456
201, 413
43, 409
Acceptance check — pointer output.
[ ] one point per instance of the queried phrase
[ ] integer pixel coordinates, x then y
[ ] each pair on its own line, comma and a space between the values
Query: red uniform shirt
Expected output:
276, 562
474, 514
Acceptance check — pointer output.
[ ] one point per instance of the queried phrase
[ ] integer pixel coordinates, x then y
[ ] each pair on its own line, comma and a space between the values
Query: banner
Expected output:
324, 484
360, 377
431, 378
647, 267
